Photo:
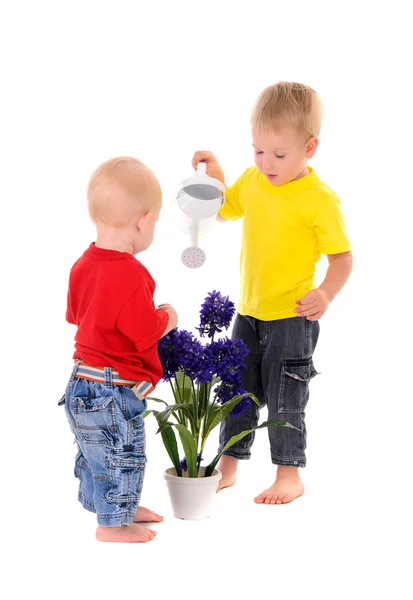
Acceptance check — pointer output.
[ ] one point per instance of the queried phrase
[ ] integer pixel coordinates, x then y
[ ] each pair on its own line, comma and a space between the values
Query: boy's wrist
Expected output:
217, 173
326, 292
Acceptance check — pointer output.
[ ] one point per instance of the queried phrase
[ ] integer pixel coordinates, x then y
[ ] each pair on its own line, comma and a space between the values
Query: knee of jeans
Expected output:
296, 375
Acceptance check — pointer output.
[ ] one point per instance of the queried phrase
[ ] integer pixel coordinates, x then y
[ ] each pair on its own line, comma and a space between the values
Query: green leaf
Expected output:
163, 425
148, 412
212, 414
190, 450
157, 400
183, 392
171, 445
203, 400
236, 438
224, 410
165, 414
177, 408
169, 441
183, 388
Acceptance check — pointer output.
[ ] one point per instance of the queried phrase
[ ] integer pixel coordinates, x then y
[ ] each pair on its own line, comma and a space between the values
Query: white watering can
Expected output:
199, 199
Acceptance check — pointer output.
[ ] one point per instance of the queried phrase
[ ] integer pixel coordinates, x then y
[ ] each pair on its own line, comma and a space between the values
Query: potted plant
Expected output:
206, 382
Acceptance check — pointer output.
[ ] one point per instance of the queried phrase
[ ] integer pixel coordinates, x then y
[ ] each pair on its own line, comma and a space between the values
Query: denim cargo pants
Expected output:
107, 422
279, 369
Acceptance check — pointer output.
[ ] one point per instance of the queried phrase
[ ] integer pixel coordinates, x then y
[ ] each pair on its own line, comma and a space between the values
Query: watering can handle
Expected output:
201, 168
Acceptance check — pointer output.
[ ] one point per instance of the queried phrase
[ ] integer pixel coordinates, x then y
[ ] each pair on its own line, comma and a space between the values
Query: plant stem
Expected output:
208, 412
196, 403
176, 415
184, 417
177, 400
208, 394
210, 405
207, 409
216, 395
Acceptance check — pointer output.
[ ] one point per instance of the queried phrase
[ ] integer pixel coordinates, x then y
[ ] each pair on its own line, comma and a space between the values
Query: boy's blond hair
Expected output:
120, 189
288, 104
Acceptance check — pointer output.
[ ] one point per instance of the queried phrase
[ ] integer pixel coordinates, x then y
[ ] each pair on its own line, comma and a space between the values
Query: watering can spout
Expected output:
194, 233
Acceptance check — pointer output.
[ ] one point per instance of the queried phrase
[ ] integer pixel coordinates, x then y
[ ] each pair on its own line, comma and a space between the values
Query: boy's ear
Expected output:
311, 147
142, 221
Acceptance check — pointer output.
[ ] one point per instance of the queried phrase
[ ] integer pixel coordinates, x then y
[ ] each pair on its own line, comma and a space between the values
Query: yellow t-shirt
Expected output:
286, 228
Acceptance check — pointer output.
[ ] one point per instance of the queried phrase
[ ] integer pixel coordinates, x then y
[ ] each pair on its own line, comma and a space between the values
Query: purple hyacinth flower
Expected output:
167, 348
216, 314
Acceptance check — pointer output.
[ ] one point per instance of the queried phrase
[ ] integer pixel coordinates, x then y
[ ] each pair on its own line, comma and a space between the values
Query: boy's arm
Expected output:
339, 269
315, 303
232, 207
140, 321
213, 168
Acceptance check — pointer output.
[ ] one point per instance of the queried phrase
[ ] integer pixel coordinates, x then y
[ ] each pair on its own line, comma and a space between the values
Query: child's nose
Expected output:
268, 163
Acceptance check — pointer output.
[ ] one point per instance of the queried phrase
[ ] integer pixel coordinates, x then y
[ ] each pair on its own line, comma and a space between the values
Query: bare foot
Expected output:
228, 467
286, 488
144, 515
126, 533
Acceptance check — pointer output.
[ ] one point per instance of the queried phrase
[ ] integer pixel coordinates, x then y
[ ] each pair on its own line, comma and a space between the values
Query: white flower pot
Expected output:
192, 497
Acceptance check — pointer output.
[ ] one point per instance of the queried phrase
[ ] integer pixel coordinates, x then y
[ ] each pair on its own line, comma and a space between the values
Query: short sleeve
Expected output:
330, 228
140, 321
232, 208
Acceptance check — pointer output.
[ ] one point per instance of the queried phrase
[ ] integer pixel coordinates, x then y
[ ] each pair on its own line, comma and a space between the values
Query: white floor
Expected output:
349, 536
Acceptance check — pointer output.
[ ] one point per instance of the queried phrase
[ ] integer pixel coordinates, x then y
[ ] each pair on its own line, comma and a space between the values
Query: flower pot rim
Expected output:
170, 475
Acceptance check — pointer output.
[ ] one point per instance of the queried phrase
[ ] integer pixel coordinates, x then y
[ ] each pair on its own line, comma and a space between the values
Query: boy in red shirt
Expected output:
110, 300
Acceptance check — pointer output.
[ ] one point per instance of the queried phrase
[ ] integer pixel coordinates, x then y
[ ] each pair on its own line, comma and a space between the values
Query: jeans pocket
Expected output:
93, 411
137, 403
296, 374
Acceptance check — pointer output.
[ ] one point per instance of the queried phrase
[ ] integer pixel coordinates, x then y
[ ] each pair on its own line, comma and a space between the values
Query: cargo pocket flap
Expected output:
299, 369
88, 404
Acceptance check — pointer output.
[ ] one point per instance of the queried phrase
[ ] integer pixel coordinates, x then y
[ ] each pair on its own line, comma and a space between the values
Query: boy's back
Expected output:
110, 301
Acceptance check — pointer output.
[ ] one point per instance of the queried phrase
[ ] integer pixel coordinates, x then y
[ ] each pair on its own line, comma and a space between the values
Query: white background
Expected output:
86, 81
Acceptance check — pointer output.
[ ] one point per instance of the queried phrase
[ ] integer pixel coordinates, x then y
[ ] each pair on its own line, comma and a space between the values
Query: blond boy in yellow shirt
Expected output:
290, 219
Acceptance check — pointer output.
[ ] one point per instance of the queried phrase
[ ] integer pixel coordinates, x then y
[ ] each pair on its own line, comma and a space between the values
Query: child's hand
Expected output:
173, 317
164, 307
313, 305
213, 168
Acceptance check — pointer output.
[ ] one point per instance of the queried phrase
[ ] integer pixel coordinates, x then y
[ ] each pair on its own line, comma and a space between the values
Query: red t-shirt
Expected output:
110, 299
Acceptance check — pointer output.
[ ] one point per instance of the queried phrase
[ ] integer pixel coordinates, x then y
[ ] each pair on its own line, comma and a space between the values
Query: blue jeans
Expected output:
279, 369
110, 433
